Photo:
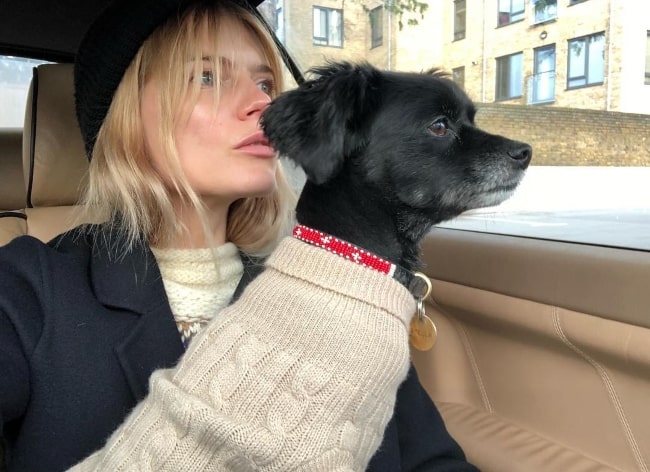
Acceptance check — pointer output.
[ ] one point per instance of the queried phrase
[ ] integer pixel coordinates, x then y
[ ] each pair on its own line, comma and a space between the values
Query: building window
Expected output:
542, 83
647, 59
376, 27
279, 20
544, 10
458, 76
328, 27
509, 76
459, 19
586, 61
511, 11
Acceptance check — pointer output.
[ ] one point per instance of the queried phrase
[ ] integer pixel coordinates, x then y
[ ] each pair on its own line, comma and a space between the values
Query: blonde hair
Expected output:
127, 191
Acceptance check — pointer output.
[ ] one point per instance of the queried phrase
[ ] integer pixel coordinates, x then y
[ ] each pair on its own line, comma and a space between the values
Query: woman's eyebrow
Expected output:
260, 68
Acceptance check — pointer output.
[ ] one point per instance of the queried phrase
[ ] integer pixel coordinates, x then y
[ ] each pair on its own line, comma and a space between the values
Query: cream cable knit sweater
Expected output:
300, 374
196, 290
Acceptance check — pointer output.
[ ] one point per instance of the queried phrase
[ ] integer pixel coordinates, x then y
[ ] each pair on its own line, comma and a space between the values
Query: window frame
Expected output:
326, 12
498, 86
458, 76
519, 15
460, 19
376, 16
536, 20
538, 75
587, 56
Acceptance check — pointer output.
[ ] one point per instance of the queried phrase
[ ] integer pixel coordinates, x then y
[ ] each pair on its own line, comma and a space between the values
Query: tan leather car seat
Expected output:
12, 189
54, 162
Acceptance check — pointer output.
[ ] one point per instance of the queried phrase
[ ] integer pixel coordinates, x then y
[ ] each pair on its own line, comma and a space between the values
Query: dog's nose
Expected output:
522, 153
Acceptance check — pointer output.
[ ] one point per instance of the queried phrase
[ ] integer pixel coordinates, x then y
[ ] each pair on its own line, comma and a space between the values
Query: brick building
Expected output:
317, 31
591, 54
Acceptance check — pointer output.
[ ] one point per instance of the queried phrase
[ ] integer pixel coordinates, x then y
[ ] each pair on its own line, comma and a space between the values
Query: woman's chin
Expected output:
257, 189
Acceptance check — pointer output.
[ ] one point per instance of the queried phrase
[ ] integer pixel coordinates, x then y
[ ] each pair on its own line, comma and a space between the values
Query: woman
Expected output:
169, 96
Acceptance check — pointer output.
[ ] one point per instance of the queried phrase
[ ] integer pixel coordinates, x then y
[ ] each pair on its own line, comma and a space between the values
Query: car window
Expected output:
572, 78
15, 76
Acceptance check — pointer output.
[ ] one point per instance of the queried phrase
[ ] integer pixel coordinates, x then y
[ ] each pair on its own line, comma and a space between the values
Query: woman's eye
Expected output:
266, 86
207, 78
439, 127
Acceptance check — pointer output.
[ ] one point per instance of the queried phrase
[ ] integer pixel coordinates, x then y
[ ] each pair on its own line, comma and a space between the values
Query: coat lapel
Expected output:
133, 283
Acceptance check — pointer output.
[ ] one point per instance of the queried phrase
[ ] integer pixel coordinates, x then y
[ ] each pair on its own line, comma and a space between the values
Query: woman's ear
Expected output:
319, 124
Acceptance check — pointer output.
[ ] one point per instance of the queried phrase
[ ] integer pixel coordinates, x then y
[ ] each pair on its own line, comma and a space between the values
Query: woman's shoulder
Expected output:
40, 281
70, 241
26, 253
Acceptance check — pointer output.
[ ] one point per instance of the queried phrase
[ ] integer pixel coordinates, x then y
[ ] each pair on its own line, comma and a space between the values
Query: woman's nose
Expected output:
254, 102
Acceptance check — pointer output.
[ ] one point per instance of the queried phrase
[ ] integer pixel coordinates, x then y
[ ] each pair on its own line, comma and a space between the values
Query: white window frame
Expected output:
327, 26
515, 10
542, 83
547, 13
514, 73
582, 47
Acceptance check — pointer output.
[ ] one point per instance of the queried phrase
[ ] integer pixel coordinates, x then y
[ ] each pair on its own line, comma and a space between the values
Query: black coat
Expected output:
80, 334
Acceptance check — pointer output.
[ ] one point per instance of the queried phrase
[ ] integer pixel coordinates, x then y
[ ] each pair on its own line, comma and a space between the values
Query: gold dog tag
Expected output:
422, 332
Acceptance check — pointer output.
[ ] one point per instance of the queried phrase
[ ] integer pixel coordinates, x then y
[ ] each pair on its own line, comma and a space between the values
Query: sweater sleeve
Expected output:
300, 374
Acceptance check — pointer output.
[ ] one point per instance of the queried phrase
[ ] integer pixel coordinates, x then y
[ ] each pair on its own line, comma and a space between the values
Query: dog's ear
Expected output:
324, 120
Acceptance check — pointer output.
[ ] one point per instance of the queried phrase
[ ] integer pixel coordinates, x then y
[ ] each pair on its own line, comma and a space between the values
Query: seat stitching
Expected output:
611, 391
475, 369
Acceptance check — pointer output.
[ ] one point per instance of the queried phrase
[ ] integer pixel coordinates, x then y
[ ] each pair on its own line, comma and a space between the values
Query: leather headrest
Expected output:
54, 162
12, 188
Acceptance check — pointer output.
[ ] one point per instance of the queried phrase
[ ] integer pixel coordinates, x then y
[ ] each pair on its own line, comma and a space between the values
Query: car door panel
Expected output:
543, 356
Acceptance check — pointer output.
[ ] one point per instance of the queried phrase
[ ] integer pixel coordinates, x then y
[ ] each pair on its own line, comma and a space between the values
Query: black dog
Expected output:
388, 154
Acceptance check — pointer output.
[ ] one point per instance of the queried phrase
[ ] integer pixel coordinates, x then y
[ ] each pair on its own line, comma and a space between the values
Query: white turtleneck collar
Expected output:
199, 283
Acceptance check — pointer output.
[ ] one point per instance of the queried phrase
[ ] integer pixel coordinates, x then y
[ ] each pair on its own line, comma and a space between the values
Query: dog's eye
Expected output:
439, 127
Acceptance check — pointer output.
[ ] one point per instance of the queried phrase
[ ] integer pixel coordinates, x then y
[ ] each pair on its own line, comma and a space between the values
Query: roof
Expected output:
48, 30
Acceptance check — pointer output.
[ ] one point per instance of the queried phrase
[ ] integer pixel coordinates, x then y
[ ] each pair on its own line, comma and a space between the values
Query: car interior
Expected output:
12, 192
53, 160
542, 361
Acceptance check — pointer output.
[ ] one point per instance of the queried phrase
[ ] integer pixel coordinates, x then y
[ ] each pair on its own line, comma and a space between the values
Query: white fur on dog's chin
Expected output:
474, 196
495, 198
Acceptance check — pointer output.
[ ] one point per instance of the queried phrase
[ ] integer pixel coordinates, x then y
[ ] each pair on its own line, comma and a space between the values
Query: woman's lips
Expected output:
257, 145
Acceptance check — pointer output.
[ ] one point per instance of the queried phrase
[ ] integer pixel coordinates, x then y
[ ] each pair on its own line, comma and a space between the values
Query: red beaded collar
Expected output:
344, 249
422, 331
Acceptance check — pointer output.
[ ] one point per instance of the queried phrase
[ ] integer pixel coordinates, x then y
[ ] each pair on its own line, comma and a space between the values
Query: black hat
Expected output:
108, 48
